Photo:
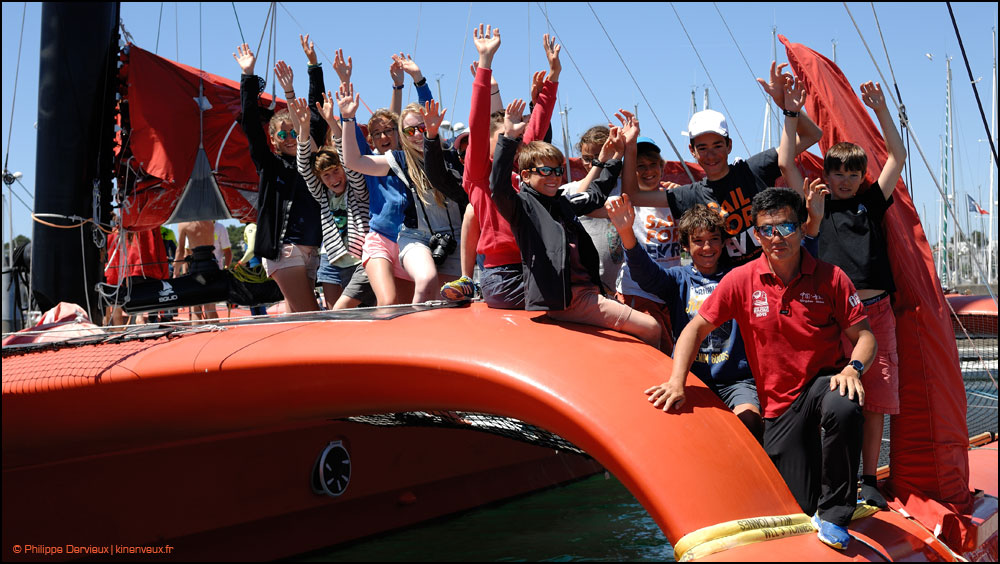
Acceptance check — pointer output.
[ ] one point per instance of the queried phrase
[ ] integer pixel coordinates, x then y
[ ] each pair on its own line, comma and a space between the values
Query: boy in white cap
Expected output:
729, 188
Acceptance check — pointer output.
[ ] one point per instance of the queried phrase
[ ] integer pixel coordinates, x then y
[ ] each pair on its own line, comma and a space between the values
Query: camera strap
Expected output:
402, 175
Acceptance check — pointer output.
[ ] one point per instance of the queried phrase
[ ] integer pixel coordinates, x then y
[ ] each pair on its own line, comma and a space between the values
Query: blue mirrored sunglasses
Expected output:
547, 170
783, 229
284, 134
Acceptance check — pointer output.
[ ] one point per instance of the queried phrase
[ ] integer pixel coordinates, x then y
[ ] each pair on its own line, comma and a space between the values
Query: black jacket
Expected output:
279, 177
539, 224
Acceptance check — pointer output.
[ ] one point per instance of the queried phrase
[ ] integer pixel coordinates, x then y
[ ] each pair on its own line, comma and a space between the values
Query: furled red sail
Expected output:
929, 457
170, 119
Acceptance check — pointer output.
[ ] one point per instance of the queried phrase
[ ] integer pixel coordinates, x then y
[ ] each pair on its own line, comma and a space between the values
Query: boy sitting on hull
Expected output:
730, 188
792, 310
559, 261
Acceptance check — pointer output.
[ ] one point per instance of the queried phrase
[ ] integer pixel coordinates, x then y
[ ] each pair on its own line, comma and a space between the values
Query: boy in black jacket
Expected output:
560, 262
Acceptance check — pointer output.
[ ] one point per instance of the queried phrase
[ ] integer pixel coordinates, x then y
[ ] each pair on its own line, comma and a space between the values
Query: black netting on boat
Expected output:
486, 423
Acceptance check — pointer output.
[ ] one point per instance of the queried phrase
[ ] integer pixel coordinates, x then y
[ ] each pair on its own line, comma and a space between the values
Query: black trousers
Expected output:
816, 446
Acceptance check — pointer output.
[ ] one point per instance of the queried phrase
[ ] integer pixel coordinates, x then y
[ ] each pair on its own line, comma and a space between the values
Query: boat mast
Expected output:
947, 176
991, 258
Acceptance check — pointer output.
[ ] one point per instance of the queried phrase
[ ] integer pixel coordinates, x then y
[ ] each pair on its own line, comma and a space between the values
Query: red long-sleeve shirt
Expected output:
496, 240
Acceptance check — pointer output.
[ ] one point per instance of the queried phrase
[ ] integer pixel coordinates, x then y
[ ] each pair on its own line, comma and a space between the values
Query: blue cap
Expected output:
649, 140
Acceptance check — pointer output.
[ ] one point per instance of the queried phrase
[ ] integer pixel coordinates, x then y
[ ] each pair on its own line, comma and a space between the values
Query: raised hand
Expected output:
513, 120
396, 71
816, 193
327, 110
299, 110
872, 95
347, 100
433, 116
409, 66
283, 73
620, 212
308, 48
487, 41
342, 68
795, 95
775, 86
537, 81
614, 147
245, 59
552, 54
630, 125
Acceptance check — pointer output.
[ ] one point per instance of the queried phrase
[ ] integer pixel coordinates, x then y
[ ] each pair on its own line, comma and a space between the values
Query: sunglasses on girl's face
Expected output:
412, 130
783, 229
382, 133
546, 170
282, 134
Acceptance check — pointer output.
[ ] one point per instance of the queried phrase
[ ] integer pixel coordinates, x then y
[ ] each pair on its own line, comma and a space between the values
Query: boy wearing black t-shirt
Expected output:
729, 189
851, 237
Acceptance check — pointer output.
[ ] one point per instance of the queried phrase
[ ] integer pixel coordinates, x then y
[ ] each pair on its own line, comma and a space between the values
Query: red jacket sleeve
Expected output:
477, 156
542, 116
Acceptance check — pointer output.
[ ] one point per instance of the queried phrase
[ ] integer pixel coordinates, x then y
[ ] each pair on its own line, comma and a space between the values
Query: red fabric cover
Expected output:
930, 463
63, 322
144, 255
165, 133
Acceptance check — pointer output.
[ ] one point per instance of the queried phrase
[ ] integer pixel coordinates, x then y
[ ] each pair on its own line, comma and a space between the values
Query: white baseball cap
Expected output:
707, 121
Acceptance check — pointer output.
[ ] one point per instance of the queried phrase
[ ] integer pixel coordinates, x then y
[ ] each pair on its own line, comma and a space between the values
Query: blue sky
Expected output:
650, 37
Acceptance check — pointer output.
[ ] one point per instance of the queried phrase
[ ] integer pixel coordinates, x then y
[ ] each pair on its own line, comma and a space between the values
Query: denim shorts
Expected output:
330, 274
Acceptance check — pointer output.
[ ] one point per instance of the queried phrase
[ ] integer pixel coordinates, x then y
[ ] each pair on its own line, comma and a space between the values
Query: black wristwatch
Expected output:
599, 164
857, 365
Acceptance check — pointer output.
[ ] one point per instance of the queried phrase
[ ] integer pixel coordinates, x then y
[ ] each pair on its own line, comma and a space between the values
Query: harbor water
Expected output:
595, 519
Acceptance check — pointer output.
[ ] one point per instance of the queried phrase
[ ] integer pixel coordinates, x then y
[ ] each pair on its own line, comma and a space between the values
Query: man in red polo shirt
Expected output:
792, 310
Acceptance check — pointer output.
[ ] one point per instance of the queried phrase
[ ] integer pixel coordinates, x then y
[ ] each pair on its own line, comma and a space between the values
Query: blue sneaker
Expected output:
830, 534
461, 290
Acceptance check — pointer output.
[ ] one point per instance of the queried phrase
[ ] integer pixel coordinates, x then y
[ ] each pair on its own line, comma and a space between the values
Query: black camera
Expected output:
441, 245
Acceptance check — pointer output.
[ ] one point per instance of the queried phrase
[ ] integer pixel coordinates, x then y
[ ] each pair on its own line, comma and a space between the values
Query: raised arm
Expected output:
503, 161
372, 165
496, 102
260, 150
477, 156
342, 67
396, 74
872, 96
299, 110
793, 98
646, 273
411, 68
611, 166
446, 180
541, 116
807, 132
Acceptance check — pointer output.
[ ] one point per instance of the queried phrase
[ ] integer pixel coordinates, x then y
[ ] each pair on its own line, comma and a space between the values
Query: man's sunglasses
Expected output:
546, 170
783, 229
412, 129
284, 134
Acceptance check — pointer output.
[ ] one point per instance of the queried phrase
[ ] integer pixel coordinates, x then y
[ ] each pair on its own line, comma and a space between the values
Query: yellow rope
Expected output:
731, 534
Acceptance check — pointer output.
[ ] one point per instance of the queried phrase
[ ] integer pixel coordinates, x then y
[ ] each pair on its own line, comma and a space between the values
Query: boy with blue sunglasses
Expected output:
558, 258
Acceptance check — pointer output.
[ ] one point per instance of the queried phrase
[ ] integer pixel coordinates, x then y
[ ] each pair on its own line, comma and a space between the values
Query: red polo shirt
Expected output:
791, 333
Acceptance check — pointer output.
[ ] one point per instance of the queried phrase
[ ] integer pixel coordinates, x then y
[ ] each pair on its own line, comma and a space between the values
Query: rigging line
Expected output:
709, 75
26, 191
26, 206
972, 81
641, 93
159, 23
888, 61
949, 208
565, 48
767, 98
267, 20
17, 71
238, 26
461, 63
